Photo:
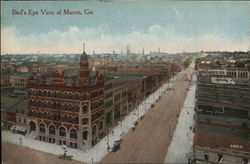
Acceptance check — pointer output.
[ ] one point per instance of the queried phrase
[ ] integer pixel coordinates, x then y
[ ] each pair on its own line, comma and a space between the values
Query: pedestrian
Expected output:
187, 134
113, 132
20, 140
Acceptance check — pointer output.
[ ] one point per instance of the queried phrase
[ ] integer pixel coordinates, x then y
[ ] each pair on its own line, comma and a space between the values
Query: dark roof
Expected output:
202, 128
11, 104
222, 120
84, 56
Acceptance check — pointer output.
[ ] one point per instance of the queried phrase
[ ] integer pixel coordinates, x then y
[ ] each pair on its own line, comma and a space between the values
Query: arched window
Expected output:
85, 135
45, 93
101, 125
70, 107
39, 114
52, 130
73, 134
59, 94
77, 108
49, 94
94, 131
69, 119
39, 93
70, 96
62, 132
65, 107
42, 128
65, 95
45, 115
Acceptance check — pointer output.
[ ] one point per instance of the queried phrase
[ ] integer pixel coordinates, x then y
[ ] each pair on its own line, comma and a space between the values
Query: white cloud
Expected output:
70, 41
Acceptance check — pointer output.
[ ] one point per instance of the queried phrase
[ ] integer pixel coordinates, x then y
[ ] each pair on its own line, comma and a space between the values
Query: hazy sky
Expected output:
172, 26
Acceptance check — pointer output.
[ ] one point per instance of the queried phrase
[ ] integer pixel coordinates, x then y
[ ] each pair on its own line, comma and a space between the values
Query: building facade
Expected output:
67, 109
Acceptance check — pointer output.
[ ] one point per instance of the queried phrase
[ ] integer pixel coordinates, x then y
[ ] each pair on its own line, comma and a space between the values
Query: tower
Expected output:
84, 68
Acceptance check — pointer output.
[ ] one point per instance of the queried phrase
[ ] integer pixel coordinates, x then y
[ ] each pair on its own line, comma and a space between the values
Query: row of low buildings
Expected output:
222, 116
78, 108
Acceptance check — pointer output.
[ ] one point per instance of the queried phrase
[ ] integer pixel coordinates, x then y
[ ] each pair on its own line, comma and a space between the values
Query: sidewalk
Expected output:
182, 141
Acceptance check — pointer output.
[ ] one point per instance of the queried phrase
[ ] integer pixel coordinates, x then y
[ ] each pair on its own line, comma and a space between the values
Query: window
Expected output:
101, 92
85, 96
69, 119
101, 125
73, 134
85, 135
62, 132
77, 108
39, 93
70, 96
42, 128
52, 130
94, 131
108, 95
70, 107
65, 107
85, 121
94, 94
85, 108
206, 156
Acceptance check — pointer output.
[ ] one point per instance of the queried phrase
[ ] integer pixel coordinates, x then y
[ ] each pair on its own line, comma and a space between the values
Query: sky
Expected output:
173, 26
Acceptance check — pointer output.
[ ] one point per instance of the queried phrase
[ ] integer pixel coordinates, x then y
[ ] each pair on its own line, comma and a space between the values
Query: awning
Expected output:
20, 128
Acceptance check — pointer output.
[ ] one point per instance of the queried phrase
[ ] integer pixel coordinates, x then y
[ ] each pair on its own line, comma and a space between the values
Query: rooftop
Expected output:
13, 104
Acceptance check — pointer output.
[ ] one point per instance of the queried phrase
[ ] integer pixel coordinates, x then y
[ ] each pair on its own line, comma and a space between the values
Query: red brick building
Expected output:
67, 108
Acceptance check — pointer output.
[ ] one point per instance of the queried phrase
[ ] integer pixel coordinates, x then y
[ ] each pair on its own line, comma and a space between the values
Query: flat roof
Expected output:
220, 141
12, 104
202, 128
222, 120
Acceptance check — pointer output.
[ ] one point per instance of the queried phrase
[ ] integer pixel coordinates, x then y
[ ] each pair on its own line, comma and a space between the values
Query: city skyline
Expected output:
172, 26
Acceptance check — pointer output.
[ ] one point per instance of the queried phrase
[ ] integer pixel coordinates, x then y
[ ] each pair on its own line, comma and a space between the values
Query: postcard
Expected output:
125, 81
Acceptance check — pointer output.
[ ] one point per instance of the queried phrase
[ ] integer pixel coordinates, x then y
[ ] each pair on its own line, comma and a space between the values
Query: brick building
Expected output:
67, 108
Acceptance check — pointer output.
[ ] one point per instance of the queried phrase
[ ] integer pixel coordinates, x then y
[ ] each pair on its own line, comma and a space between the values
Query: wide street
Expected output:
149, 142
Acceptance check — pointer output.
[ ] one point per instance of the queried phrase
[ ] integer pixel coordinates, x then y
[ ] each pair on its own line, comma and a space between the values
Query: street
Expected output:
152, 136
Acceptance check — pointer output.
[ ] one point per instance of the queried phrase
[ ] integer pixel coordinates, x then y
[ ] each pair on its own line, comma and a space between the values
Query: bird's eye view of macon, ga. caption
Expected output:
125, 82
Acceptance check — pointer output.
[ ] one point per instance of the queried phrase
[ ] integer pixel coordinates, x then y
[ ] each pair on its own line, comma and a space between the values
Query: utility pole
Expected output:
138, 112
121, 118
169, 133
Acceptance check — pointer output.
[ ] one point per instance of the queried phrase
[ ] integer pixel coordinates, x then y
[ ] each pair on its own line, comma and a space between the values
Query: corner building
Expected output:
67, 108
